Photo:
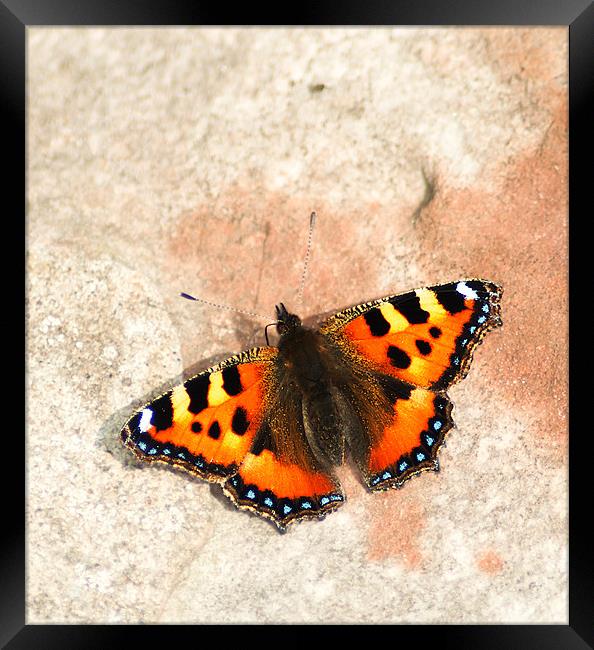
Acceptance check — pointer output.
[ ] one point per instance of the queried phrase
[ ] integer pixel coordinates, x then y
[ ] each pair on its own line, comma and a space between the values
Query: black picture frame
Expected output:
578, 15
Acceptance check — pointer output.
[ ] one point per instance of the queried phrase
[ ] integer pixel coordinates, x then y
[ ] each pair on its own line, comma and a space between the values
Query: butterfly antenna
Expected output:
217, 305
312, 223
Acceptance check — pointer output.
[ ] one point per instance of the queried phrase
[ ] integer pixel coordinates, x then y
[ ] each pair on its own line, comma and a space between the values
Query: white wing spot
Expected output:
145, 420
466, 291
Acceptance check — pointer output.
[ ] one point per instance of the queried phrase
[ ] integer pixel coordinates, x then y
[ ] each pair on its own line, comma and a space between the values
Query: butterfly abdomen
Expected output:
322, 422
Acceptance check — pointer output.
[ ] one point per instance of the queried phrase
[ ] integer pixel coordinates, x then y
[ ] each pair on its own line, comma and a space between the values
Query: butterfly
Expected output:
272, 423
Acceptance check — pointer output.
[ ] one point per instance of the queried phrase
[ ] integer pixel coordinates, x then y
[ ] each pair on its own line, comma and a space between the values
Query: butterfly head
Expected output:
286, 322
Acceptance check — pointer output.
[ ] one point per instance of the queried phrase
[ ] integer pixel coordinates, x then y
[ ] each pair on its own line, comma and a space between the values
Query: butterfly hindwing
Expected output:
281, 491
408, 445
424, 337
207, 424
280, 477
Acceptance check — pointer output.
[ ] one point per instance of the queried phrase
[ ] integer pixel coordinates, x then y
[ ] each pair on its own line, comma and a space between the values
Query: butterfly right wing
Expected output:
415, 345
424, 337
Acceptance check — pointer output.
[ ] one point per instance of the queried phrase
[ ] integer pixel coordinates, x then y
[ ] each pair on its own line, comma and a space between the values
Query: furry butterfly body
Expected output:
271, 424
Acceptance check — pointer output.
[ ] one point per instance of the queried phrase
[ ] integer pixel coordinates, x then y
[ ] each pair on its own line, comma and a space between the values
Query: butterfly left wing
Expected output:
206, 425
228, 425
414, 345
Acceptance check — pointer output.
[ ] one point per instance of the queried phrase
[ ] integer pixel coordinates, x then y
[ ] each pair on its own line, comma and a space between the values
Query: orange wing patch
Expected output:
410, 444
279, 489
424, 337
207, 424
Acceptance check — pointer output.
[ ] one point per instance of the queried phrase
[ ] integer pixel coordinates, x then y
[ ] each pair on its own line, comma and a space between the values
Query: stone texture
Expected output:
168, 160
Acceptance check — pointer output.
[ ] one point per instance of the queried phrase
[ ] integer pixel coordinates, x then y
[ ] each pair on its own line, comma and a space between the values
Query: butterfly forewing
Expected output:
424, 337
207, 424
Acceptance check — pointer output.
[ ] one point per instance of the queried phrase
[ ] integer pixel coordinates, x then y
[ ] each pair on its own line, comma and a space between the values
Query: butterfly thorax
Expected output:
303, 354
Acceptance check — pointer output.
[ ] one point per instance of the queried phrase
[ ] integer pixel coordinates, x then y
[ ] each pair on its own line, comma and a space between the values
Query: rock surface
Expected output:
168, 160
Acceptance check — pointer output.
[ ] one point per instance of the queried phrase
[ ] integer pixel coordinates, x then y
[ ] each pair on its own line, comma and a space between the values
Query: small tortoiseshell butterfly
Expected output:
270, 424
